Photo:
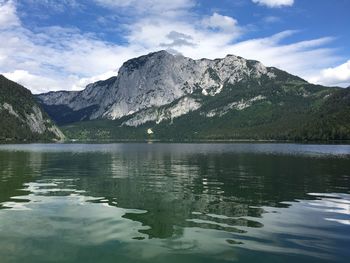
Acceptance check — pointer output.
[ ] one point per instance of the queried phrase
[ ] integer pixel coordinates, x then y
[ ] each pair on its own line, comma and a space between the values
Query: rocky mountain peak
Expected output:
155, 80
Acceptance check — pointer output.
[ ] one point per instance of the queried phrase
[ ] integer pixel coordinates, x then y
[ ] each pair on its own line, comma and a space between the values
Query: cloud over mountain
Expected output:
65, 56
274, 3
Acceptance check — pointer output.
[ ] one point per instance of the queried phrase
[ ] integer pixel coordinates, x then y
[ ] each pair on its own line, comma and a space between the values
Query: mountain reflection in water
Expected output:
194, 202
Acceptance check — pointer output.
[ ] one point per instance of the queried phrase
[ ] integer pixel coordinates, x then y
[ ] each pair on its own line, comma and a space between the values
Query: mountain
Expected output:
149, 81
21, 118
165, 96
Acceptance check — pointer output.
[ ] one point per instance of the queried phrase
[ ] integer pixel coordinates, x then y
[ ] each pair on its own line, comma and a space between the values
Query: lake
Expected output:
133, 202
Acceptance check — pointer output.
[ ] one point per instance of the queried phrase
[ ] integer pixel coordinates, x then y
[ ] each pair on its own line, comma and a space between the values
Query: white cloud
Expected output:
60, 56
56, 58
55, 5
83, 82
152, 33
8, 16
177, 40
221, 23
334, 76
37, 83
274, 3
271, 19
148, 6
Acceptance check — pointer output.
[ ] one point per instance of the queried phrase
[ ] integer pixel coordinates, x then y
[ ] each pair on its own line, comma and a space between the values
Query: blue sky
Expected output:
66, 44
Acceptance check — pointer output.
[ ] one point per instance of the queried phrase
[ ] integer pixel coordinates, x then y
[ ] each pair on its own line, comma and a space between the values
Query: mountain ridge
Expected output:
164, 96
169, 77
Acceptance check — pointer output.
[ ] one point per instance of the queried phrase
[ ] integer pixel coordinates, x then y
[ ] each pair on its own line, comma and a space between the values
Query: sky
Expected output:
50, 45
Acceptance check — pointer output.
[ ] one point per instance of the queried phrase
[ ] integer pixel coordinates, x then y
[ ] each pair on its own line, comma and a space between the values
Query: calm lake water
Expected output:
174, 203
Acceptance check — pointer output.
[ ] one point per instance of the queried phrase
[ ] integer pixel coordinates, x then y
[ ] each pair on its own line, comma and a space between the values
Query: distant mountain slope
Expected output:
21, 118
180, 98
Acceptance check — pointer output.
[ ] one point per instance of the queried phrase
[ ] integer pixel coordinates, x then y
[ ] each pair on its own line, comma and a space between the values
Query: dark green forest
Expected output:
293, 110
15, 128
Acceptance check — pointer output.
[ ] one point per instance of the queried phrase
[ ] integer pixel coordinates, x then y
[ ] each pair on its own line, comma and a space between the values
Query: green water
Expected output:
174, 203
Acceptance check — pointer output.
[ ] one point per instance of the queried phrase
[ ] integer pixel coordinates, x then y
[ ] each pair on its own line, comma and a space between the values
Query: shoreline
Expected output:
199, 141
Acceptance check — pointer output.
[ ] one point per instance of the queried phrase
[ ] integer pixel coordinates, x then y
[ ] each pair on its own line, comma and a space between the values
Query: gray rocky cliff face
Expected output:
155, 80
